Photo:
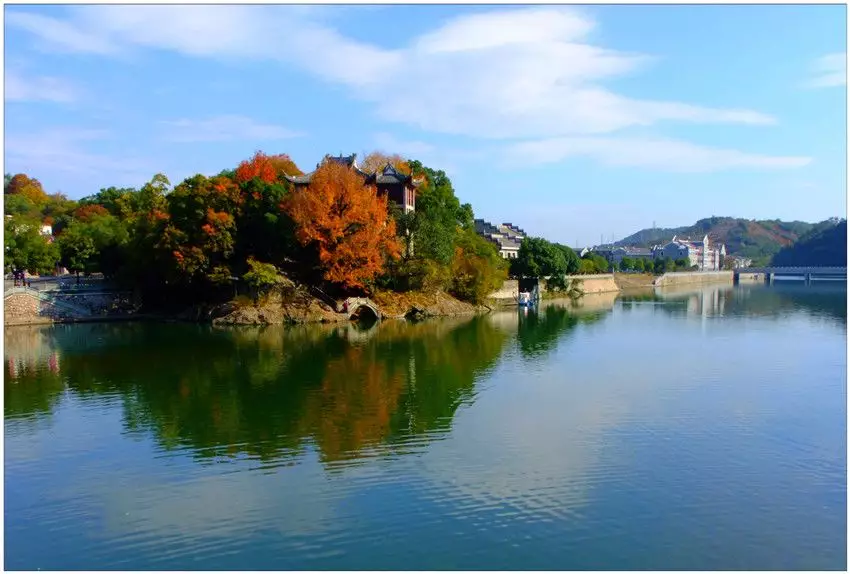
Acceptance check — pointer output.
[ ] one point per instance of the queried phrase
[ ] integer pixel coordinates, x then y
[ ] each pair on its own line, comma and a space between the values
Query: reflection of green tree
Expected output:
263, 391
33, 390
32, 384
539, 331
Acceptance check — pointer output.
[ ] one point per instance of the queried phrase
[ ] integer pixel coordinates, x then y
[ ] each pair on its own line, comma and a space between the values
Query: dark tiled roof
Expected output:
387, 176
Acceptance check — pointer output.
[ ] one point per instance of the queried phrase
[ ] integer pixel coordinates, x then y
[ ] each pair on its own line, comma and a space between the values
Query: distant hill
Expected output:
756, 240
824, 245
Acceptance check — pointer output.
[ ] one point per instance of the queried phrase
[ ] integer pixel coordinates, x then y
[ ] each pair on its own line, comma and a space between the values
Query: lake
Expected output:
701, 429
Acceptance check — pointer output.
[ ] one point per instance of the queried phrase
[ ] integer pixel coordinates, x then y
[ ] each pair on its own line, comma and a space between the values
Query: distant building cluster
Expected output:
507, 237
702, 254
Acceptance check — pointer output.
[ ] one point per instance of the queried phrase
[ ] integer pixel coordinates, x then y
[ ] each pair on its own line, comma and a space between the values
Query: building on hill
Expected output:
507, 237
702, 254
398, 187
617, 254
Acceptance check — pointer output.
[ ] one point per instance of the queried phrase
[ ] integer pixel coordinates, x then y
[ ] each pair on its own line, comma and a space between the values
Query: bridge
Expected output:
354, 307
807, 273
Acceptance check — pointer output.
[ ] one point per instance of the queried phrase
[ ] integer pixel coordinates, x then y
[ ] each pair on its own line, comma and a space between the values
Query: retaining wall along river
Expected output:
692, 277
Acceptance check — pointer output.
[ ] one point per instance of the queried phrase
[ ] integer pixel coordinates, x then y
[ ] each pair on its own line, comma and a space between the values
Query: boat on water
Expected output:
526, 299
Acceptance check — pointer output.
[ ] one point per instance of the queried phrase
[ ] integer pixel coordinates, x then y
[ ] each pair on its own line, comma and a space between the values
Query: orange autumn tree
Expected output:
347, 222
376, 161
29, 187
270, 169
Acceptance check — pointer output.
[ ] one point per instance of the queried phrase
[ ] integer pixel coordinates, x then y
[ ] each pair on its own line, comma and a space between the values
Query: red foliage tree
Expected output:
86, 212
268, 168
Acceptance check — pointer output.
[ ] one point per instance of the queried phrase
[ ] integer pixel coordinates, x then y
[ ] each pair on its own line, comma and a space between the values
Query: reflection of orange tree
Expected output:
359, 395
405, 382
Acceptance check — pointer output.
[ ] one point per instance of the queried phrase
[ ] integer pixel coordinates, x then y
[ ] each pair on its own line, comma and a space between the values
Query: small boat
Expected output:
526, 299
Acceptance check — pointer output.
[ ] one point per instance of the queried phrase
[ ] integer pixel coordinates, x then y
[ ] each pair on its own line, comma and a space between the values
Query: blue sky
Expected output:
574, 122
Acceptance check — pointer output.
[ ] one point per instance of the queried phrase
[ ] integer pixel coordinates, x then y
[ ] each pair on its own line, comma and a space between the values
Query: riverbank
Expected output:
301, 308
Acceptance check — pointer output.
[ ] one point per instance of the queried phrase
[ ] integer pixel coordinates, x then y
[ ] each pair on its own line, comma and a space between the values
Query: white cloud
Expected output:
500, 74
39, 88
224, 128
655, 153
829, 71
57, 34
509, 73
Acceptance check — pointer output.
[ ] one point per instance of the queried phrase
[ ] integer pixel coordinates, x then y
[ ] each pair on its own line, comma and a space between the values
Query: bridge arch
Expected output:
362, 309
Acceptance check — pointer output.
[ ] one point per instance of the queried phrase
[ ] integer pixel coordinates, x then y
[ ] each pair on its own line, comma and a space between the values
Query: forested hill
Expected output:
825, 245
757, 240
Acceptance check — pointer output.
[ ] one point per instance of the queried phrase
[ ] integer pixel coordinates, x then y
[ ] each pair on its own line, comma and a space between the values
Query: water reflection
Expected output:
354, 447
822, 300
261, 392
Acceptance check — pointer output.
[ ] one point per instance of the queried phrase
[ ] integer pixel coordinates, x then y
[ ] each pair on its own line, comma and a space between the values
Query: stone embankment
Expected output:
297, 305
31, 307
586, 285
694, 277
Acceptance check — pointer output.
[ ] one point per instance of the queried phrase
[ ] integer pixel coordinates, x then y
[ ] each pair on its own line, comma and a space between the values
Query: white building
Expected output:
507, 237
702, 254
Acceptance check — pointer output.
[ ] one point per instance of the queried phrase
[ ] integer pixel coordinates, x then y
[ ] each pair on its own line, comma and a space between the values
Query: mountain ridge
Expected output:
758, 240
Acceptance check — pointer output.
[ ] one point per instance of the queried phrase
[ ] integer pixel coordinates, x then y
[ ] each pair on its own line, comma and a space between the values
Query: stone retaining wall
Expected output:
591, 284
694, 277
508, 291
26, 309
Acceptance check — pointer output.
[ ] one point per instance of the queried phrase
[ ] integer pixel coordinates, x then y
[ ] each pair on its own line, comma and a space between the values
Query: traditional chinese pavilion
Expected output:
398, 187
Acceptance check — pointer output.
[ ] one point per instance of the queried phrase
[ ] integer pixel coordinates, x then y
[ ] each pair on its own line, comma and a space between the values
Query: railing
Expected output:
324, 297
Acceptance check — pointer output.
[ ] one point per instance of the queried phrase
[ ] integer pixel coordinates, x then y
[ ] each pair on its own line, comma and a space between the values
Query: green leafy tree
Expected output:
26, 249
570, 257
78, 249
260, 276
598, 263
627, 264
439, 214
639, 264
477, 269
540, 258
15, 204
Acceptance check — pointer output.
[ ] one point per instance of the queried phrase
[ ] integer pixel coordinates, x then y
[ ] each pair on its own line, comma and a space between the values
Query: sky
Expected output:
577, 123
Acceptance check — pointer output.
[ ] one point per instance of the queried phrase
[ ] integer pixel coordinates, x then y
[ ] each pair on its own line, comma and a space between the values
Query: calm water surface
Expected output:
687, 430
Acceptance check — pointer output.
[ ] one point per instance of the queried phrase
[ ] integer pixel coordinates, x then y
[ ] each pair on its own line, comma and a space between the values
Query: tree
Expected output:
261, 276
477, 269
598, 264
587, 267
31, 188
20, 205
78, 249
347, 222
25, 247
539, 258
439, 213
639, 264
627, 264
683, 264
200, 233
87, 212
376, 161
664, 264
570, 257
269, 169
264, 230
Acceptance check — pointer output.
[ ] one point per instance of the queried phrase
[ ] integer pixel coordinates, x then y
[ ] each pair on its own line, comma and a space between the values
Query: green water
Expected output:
688, 430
